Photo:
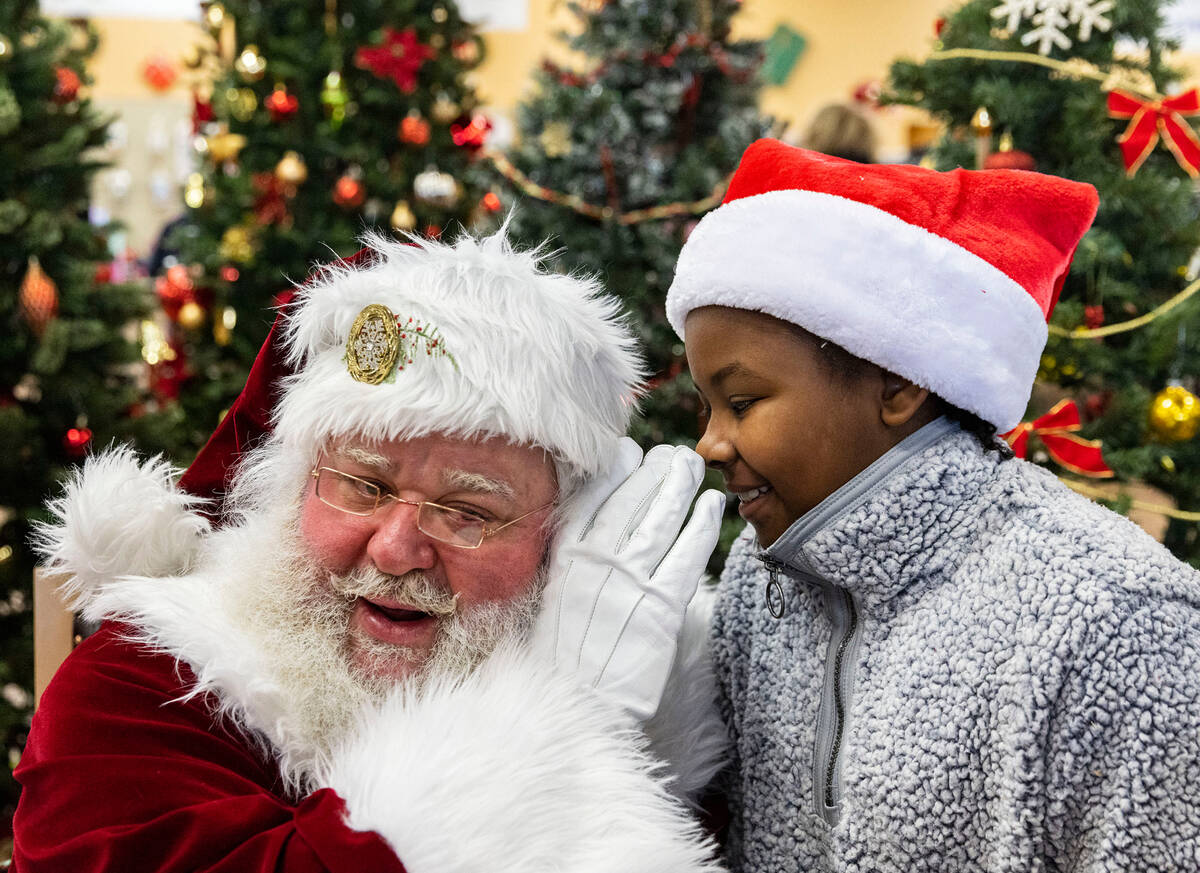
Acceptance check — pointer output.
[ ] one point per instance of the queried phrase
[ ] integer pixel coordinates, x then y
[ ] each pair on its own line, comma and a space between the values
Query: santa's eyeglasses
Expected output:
455, 527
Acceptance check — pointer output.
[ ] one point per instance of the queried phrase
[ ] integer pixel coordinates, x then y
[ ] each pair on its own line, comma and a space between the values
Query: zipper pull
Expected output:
775, 596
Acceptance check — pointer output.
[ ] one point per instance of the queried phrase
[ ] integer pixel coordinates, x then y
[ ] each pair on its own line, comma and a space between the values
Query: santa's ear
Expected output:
900, 399
119, 517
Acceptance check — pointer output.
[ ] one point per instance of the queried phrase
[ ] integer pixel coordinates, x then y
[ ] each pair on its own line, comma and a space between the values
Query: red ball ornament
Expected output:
349, 192
159, 73
414, 130
230, 273
1093, 316
470, 133
281, 104
490, 202
174, 290
1013, 159
76, 441
66, 85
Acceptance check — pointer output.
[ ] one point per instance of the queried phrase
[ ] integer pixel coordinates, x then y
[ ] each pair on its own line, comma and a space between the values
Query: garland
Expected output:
1096, 494
1076, 68
603, 213
1133, 323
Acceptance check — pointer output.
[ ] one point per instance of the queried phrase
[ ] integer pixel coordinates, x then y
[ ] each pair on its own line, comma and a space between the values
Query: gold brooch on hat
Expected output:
380, 344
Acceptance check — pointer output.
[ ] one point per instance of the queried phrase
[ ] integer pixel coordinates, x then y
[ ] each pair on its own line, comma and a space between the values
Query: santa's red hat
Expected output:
947, 279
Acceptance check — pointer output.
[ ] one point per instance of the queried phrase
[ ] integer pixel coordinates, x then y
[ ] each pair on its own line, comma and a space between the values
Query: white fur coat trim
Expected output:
514, 769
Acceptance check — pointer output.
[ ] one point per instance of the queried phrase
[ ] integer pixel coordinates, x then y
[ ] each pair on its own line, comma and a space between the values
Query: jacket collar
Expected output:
874, 534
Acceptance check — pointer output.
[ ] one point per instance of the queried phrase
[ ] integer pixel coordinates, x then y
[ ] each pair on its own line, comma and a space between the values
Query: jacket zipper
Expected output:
839, 666
832, 804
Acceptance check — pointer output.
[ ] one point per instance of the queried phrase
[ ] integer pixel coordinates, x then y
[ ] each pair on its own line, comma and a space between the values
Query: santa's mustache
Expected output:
416, 589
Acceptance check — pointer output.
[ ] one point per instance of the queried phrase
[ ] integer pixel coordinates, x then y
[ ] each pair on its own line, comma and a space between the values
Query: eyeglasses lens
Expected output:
346, 492
450, 525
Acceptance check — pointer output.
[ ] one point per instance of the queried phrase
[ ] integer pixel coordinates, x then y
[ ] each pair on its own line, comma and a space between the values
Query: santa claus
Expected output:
434, 624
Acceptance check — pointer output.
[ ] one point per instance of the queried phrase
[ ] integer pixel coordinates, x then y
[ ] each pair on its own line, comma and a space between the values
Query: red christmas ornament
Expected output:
349, 192
230, 273
202, 111
939, 25
271, 199
103, 274
66, 85
281, 104
76, 441
490, 202
38, 297
169, 374
174, 289
414, 130
1095, 405
159, 73
1093, 316
433, 231
1013, 159
470, 133
399, 58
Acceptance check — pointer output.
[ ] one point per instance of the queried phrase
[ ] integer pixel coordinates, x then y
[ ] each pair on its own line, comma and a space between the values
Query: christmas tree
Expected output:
325, 118
617, 161
66, 366
1056, 85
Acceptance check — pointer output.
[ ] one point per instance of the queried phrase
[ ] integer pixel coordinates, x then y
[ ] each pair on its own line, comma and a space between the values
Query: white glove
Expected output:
619, 580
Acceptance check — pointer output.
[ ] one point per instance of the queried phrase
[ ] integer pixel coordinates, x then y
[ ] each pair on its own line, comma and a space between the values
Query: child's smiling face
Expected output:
783, 427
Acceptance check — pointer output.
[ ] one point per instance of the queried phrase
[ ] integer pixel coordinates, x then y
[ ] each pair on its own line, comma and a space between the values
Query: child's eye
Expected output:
741, 404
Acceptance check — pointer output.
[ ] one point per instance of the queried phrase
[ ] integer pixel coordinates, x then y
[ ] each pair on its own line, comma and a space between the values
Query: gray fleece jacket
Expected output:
972, 669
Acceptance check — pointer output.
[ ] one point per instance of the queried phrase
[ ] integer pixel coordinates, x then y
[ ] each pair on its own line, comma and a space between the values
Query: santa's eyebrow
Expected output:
470, 481
365, 458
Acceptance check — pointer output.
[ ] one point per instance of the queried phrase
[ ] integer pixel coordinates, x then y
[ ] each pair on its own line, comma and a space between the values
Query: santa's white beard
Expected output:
299, 615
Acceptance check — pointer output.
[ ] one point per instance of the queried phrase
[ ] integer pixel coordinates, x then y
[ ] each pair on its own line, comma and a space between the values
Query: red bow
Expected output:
1057, 431
1152, 118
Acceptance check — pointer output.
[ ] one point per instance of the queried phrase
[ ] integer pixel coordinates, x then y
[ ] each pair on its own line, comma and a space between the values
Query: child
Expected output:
932, 656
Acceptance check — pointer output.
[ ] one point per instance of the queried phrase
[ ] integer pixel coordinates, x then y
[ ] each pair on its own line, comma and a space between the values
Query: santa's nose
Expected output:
397, 546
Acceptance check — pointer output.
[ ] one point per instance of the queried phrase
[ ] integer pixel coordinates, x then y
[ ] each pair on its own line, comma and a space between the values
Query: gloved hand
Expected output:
622, 574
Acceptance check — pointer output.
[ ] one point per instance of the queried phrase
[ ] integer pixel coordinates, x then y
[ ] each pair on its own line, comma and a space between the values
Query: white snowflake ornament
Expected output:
1051, 18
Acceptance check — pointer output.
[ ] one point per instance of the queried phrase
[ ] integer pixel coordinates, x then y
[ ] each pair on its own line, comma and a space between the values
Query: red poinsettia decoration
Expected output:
271, 200
400, 57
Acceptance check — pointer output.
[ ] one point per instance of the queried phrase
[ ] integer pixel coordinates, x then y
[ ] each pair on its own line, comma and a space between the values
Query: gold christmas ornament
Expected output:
155, 348
445, 110
981, 121
250, 64
191, 315
223, 326
291, 169
237, 245
403, 217
1175, 414
555, 139
242, 103
193, 191
225, 146
38, 297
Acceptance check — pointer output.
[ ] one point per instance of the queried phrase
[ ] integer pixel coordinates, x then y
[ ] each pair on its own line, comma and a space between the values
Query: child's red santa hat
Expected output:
946, 279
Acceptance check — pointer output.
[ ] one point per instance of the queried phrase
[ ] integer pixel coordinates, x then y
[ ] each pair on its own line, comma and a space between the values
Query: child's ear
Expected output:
900, 400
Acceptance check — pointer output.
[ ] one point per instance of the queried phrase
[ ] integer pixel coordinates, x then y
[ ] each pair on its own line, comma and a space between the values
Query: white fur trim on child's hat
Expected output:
946, 279
532, 356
